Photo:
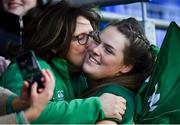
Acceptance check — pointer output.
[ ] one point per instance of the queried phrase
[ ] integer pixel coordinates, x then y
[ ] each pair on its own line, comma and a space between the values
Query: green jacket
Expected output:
125, 93
62, 108
118, 90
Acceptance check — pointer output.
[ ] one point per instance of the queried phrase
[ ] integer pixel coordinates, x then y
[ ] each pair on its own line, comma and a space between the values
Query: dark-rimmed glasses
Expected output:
83, 39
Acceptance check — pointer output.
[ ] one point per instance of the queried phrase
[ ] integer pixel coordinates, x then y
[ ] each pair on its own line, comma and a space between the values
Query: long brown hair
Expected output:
136, 53
53, 29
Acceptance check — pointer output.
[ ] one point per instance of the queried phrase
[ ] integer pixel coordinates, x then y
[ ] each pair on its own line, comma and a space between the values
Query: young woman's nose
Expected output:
96, 50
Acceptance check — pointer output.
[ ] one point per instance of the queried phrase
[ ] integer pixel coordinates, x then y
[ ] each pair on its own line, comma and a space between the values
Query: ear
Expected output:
126, 68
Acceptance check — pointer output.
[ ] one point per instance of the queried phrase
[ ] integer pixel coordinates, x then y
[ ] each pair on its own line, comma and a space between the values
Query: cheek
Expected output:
111, 64
30, 4
76, 49
91, 45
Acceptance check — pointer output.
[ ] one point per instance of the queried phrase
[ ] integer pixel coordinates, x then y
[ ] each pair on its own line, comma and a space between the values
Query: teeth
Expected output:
93, 60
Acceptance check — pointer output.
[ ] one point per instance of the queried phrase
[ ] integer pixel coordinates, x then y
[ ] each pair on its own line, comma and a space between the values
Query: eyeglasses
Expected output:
82, 39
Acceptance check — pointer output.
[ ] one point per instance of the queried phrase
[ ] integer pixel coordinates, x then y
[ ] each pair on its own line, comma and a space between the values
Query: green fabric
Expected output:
154, 50
80, 84
158, 101
60, 109
9, 107
19, 118
125, 93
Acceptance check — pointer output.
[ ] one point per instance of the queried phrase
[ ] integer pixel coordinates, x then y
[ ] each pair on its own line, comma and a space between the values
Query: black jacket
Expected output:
10, 31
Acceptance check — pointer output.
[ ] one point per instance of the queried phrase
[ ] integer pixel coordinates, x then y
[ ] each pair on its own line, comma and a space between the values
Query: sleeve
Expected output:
8, 119
14, 118
6, 101
21, 118
76, 111
125, 93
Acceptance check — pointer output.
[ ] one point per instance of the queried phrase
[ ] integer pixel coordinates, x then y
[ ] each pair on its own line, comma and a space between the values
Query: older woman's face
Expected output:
76, 51
18, 7
104, 59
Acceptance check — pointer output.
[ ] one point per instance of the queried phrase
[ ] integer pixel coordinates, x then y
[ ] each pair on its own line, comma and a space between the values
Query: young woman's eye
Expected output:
108, 50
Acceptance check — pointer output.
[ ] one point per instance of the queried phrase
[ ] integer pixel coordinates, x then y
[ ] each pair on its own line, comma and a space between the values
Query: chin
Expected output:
87, 69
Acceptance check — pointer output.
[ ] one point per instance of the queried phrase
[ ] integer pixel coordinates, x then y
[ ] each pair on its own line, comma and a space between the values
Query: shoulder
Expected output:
125, 93
117, 90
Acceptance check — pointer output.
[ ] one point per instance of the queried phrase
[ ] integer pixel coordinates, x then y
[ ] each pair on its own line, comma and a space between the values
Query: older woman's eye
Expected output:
81, 37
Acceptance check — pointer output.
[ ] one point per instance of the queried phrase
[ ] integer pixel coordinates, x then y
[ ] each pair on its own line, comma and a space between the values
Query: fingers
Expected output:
50, 75
113, 106
118, 116
49, 79
34, 90
121, 108
24, 90
122, 105
25, 86
122, 99
49, 83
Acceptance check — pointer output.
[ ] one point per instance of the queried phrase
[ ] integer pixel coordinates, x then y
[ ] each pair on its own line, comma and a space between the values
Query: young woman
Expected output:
118, 61
59, 33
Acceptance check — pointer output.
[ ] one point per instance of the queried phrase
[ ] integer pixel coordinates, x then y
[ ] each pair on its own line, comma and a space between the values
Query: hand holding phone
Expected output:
30, 68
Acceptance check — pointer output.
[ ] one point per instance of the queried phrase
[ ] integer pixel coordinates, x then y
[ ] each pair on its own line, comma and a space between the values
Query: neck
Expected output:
93, 82
73, 69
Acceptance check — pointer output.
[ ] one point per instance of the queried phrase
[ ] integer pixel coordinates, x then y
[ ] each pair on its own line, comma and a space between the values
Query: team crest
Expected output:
154, 99
60, 95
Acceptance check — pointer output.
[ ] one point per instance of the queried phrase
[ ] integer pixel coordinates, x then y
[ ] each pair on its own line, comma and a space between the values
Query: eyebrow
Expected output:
83, 23
109, 46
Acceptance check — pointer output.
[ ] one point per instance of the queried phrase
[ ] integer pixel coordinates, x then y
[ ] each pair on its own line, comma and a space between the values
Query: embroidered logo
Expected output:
60, 95
154, 99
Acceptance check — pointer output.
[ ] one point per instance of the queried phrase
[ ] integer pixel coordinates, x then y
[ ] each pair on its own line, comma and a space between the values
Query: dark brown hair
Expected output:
53, 29
136, 53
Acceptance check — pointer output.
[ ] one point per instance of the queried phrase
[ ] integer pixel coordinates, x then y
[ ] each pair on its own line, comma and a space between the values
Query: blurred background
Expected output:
155, 15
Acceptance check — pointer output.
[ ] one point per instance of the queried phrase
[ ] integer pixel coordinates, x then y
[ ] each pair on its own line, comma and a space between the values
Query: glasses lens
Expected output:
81, 39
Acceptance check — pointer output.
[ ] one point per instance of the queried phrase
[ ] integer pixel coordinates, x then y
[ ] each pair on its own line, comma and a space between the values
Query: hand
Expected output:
38, 100
113, 106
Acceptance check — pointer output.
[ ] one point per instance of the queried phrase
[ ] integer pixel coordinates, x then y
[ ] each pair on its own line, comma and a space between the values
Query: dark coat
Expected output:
10, 31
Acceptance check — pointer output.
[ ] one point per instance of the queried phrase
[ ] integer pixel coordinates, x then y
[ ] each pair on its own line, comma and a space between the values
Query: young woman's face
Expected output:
76, 51
18, 7
105, 59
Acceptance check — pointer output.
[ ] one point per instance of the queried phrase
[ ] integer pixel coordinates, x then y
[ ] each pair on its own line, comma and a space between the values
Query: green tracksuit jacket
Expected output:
125, 93
62, 108
111, 88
